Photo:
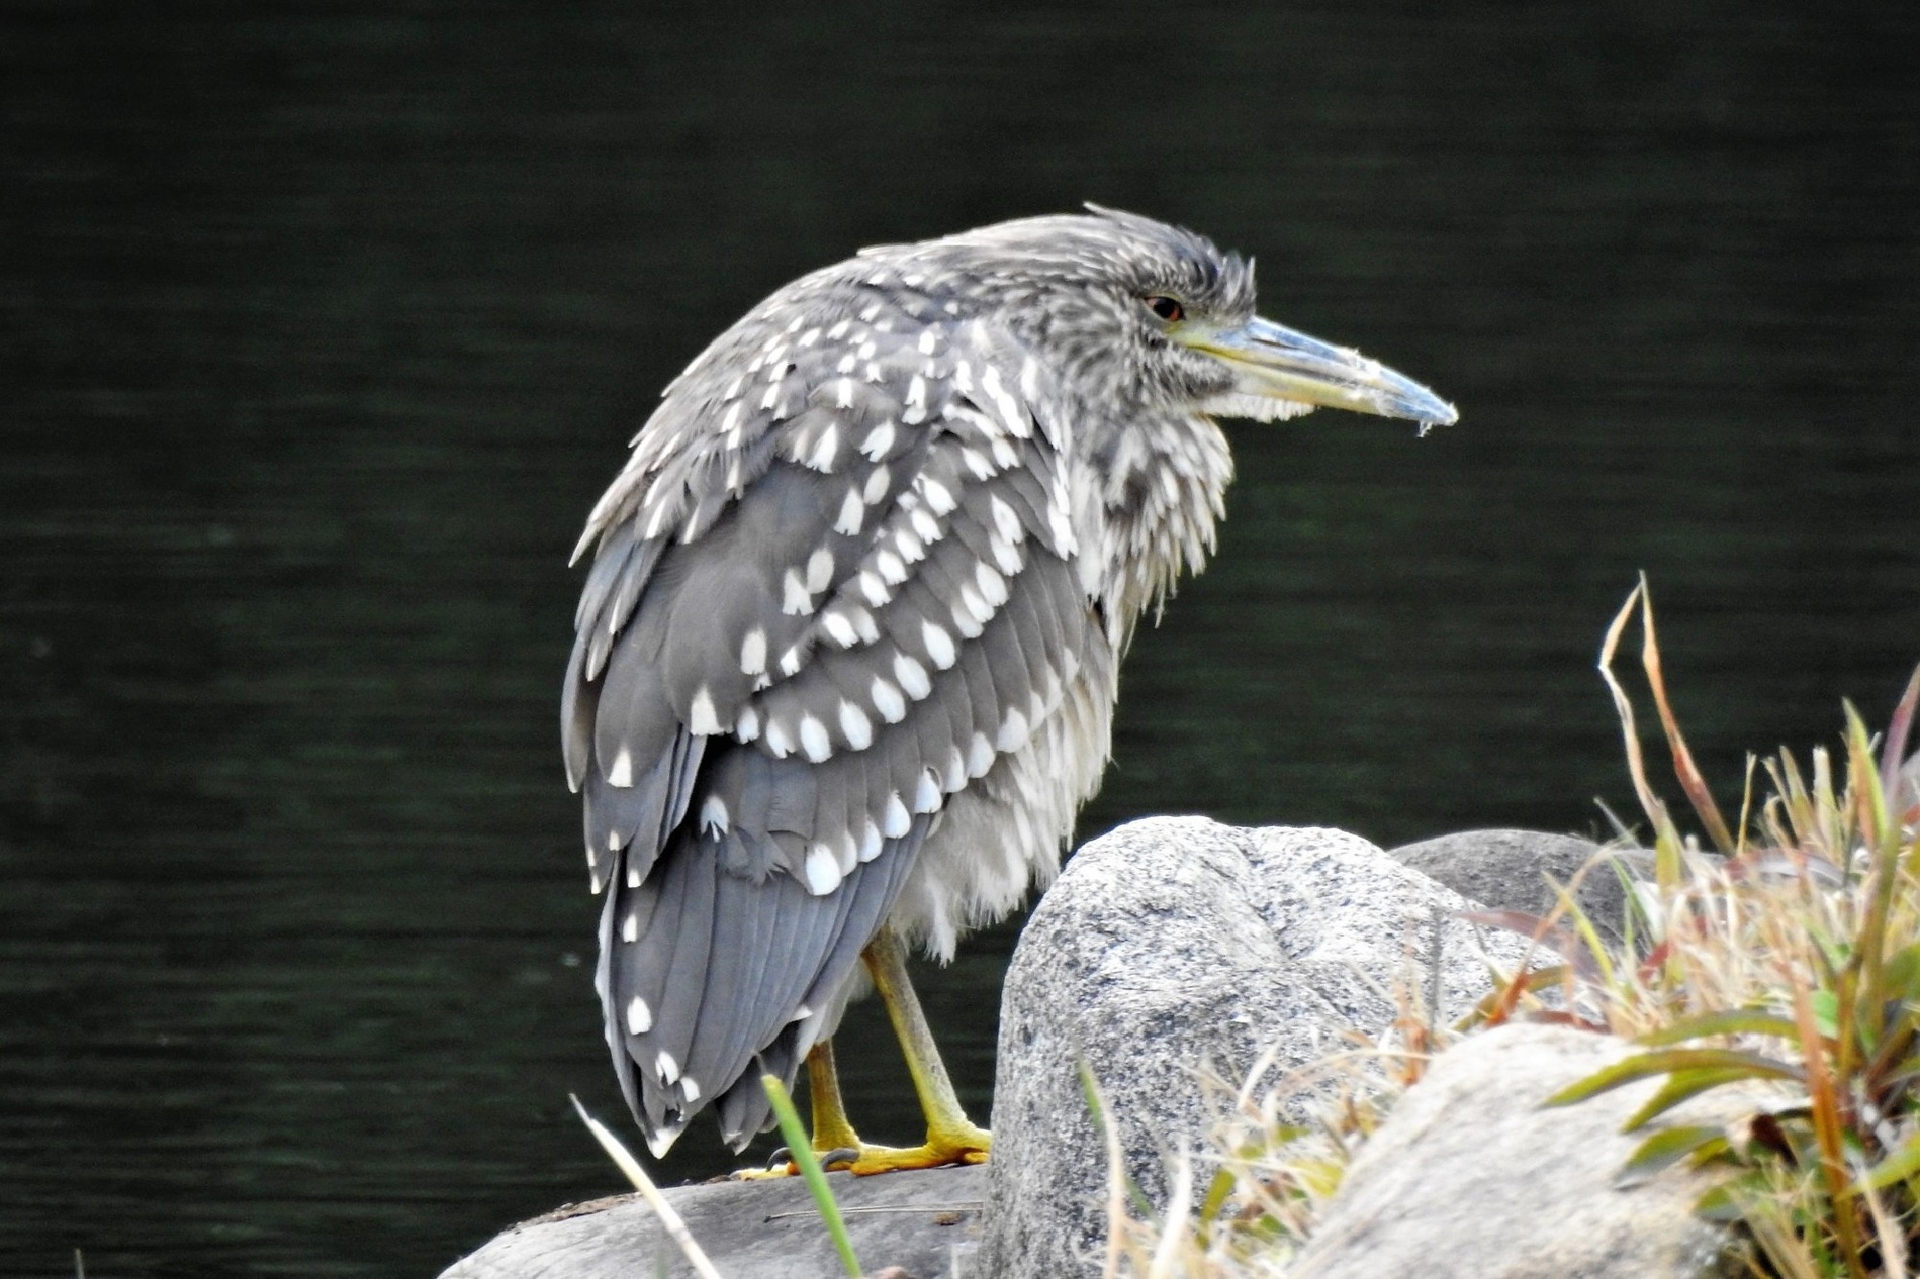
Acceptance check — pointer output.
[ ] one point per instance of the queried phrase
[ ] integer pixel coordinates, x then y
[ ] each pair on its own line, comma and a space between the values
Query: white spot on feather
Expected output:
825, 449
630, 932
667, 1067
1009, 408
870, 842
659, 1143
1007, 520
748, 727
700, 715
912, 676
939, 496
713, 815
926, 796
621, 774
839, 628
639, 1016
814, 740
971, 613
878, 442
855, 726
993, 587
822, 870
852, 512
979, 755
778, 741
872, 588
877, 485
939, 645
796, 600
819, 570
898, 820
888, 701
753, 652
1013, 732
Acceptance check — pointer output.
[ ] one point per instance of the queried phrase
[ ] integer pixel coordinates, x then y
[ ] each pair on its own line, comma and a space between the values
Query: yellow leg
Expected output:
952, 1138
831, 1129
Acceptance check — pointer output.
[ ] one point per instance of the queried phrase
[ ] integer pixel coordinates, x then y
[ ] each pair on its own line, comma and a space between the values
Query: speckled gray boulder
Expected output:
925, 1222
1510, 869
1469, 1176
1173, 942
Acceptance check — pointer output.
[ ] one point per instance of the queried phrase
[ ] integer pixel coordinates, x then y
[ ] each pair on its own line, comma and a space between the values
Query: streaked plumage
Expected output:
846, 654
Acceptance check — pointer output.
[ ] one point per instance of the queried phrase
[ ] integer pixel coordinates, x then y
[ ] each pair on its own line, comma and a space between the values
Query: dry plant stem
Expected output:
669, 1219
1887, 1233
1684, 768
1666, 863
1826, 1126
1894, 753
1174, 1231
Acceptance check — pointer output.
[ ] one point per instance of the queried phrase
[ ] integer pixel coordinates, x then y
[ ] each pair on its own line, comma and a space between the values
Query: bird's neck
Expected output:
1147, 504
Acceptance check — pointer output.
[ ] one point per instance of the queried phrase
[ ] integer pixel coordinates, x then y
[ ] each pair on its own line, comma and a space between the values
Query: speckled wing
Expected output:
834, 586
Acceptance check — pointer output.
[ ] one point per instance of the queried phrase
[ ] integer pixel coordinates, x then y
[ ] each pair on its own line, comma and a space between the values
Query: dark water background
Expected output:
321, 326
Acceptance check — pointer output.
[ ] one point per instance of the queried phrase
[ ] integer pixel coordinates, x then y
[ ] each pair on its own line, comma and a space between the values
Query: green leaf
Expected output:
1898, 1166
800, 1146
1826, 1013
1217, 1192
1641, 1065
1731, 1021
1680, 1085
1668, 1147
1902, 974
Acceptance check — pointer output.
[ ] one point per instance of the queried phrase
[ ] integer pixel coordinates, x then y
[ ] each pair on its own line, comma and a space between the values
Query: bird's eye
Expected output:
1168, 309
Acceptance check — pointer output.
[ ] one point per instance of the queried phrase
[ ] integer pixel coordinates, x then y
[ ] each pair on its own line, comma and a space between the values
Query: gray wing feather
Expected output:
756, 675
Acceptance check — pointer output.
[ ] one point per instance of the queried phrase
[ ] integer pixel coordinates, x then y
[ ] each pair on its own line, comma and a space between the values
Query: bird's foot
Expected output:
961, 1145
781, 1164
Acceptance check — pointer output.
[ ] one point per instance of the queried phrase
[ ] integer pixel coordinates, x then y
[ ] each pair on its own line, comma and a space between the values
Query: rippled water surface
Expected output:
321, 327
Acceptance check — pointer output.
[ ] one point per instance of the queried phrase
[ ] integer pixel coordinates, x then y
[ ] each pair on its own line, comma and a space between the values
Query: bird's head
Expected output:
1147, 320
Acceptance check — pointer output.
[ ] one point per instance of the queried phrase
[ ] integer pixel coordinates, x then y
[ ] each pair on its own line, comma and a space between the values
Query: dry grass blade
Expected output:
1636, 764
1666, 837
1893, 755
1691, 780
669, 1219
1117, 1219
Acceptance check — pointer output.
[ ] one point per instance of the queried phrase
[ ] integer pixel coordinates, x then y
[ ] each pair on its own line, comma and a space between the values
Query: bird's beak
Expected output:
1275, 363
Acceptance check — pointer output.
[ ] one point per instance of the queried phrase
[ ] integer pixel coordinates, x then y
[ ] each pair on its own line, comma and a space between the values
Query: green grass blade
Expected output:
1732, 1021
800, 1146
1668, 1147
1898, 1166
1680, 1085
1642, 1065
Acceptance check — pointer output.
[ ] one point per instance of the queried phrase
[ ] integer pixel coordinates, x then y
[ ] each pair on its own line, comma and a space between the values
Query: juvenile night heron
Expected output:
845, 661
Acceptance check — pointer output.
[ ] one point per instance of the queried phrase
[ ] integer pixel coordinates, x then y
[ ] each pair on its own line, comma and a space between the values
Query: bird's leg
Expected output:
952, 1138
832, 1131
